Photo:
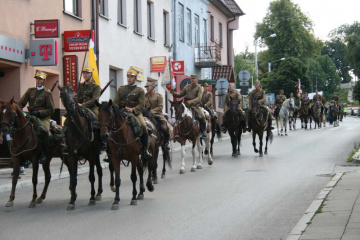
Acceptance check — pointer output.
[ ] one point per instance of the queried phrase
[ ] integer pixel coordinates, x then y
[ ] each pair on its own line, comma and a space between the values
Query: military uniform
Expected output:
259, 96
233, 94
155, 104
335, 98
279, 99
305, 101
206, 102
88, 94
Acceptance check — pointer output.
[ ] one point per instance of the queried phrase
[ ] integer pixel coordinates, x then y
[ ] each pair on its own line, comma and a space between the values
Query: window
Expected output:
104, 8
181, 22
150, 19
211, 28
137, 16
197, 29
72, 7
166, 28
122, 12
113, 85
220, 34
205, 32
188, 26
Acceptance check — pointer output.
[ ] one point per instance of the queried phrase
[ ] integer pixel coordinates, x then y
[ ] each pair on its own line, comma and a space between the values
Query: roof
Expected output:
232, 5
225, 71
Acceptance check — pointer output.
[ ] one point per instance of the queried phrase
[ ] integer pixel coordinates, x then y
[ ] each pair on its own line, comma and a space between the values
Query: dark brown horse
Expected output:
305, 115
215, 131
260, 123
234, 125
123, 144
82, 141
317, 114
25, 145
188, 129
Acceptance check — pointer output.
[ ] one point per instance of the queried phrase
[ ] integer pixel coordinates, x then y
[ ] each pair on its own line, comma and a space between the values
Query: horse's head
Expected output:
179, 108
255, 106
106, 119
68, 98
8, 115
291, 103
233, 104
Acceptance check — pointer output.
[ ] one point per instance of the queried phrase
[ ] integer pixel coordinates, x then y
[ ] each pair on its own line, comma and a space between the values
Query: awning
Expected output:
225, 71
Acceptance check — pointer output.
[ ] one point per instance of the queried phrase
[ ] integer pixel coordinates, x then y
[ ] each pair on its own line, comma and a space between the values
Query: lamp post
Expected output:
256, 63
269, 65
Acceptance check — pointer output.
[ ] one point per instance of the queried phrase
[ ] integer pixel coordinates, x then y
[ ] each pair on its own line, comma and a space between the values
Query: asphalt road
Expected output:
236, 198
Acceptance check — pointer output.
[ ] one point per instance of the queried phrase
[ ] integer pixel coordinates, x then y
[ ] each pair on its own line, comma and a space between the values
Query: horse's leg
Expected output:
135, 163
212, 141
277, 125
15, 177
99, 171
254, 143
183, 154
116, 166
111, 170
46, 168
209, 143
154, 176
268, 132
140, 169
233, 142
281, 125
92, 181
73, 181
238, 140
193, 152
200, 150
285, 125
261, 144
34, 182
165, 155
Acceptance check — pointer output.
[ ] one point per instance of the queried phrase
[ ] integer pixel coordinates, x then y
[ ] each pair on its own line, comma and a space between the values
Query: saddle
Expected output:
91, 119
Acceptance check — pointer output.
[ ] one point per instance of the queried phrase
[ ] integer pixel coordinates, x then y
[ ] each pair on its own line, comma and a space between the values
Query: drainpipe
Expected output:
97, 34
228, 40
174, 30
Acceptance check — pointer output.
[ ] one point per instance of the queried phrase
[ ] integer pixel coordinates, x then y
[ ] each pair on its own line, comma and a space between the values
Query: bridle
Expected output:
180, 117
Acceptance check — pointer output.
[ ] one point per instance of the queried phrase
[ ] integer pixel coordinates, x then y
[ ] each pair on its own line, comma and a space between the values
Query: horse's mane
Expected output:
186, 112
117, 112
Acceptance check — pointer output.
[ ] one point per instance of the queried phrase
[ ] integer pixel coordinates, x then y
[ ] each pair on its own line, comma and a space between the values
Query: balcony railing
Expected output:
207, 55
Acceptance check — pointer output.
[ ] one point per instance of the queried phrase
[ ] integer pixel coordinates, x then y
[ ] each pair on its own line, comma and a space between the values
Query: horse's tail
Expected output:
217, 129
271, 137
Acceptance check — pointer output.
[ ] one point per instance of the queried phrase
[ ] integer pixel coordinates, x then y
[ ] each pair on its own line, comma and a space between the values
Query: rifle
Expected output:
53, 87
106, 86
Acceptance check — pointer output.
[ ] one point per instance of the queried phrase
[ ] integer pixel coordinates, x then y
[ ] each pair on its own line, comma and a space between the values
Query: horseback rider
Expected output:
193, 94
258, 95
304, 101
233, 94
41, 106
318, 97
132, 99
279, 99
292, 96
154, 103
206, 102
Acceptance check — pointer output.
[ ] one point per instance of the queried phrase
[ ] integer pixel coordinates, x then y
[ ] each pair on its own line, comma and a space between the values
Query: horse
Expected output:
293, 114
317, 114
259, 124
286, 106
216, 131
234, 125
160, 142
83, 141
334, 113
123, 144
188, 129
25, 145
305, 116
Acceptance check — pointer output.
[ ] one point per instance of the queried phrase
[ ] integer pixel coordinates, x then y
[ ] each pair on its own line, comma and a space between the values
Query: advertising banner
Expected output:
43, 52
47, 28
158, 64
12, 49
70, 64
77, 41
178, 67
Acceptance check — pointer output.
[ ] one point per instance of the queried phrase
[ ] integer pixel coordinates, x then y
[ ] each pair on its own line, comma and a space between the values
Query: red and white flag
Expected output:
299, 89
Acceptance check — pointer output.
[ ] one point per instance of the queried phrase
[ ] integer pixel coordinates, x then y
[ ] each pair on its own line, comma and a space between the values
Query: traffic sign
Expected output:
244, 83
244, 76
222, 85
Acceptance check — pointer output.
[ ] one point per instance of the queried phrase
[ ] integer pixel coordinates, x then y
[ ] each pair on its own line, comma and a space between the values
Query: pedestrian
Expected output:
345, 111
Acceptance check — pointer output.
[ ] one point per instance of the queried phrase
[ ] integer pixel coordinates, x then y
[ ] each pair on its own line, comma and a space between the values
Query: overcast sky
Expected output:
325, 14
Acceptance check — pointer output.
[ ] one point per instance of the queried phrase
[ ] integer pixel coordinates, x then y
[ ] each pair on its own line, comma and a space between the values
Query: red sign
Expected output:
47, 28
77, 41
70, 71
178, 67
158, 64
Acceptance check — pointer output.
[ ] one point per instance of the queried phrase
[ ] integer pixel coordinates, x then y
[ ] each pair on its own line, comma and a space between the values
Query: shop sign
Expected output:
178, 67
77, 41
70, 66
12, 49
47, 28
158, 64
43, 52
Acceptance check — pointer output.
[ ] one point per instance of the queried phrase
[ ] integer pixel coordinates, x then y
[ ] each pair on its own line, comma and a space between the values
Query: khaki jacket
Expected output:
88, 94
132, 97
155, 104
193, 95
279, 99
206, 100
233, 94
258, 95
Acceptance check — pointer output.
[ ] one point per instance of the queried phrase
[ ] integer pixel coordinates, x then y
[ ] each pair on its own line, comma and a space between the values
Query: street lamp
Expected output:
269, 65
256, 63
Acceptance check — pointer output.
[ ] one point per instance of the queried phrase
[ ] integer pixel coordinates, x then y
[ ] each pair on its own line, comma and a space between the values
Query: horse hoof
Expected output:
32, 205
256, 150
206, 152
115, 206
210, 162
211, 152
92, 202
71, 207
150, 187
261, 155
234, 155
285, 134
266, 152
98, 198
39, 201
163, 175
282, 134
140, 197
198, 167
278, 134
133, 202
182, 171
193, 169
238, 153
113, 188
155, 181
9, 204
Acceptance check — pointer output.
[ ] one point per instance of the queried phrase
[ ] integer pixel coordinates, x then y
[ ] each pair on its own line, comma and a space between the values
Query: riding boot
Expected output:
45, 143
144, 150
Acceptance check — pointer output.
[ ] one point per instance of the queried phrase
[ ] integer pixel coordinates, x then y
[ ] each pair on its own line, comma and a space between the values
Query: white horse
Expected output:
287, 105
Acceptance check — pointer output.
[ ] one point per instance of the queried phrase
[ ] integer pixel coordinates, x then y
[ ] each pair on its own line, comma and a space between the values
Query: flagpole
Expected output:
87, 49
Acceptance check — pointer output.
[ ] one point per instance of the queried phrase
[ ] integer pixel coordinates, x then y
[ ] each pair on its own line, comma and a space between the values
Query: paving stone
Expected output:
339, 205
326, 232
330, 219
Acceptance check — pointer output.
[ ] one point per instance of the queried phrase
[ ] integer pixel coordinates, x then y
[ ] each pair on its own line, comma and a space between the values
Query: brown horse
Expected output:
260, 123
25, 145
305, 115
188, 129
83, 141
123, 144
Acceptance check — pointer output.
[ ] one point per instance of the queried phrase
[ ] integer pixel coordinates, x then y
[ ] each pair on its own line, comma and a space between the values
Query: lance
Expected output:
106, 86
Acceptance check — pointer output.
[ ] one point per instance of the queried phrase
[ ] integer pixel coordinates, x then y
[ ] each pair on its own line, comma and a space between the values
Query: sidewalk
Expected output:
335, 214
25, 181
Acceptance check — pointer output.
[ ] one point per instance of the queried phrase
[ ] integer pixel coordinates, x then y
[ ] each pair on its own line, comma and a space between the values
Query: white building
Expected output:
130, 33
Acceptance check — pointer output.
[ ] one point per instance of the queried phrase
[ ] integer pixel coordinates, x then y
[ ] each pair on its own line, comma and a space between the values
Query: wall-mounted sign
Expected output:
47, 28
70, 66
77, 41
140, 76
158, 64
43, 52
178, 67
12, 49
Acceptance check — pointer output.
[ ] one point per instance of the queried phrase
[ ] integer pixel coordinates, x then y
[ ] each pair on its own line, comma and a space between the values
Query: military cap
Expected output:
132, 72
88, 69
151, 84
194, 76
205, 85
40, 74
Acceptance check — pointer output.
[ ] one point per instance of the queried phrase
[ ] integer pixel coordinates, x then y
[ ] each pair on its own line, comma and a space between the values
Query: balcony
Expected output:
208, 55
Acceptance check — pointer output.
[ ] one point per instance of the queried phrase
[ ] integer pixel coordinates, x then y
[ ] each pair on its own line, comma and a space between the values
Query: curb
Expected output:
312, 209
356, 157
81, 170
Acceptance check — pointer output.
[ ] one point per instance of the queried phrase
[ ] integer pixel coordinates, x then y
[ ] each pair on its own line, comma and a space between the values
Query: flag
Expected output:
299, 89
92, 58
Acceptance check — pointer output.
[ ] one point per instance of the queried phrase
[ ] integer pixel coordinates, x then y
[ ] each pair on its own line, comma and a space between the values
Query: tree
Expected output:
244, 61
353, 43
356, 91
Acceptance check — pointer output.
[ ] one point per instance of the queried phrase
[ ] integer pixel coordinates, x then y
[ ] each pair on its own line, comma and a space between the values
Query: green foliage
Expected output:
244, 61
343, 94
354, 151
356, 91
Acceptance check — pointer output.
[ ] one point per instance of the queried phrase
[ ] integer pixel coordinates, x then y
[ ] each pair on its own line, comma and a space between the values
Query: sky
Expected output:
325, 14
